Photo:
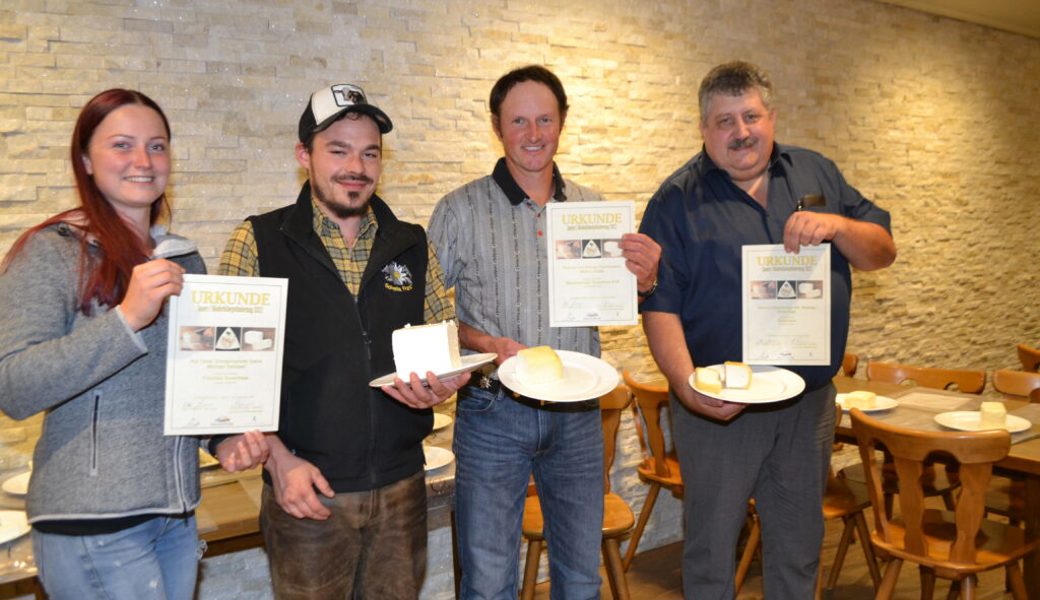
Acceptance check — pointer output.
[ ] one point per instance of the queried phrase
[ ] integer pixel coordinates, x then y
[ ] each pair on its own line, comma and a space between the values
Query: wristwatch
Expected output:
649, 292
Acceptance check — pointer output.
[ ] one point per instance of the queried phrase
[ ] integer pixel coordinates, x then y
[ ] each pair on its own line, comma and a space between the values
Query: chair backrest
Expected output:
651, 400
1030, 357
1017, 383
611, 405
849, 364
966, 381
975, 452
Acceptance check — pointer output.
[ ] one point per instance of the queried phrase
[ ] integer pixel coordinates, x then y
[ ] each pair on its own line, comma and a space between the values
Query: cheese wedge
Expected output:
992, 415
538, 366
423, 348
736, 375
707, 380
861, 400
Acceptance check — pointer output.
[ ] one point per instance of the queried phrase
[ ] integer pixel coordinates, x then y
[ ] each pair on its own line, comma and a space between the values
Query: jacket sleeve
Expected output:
48, 352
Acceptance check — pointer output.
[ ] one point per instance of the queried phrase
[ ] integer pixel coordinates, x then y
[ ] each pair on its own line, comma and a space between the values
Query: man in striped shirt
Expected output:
489, 237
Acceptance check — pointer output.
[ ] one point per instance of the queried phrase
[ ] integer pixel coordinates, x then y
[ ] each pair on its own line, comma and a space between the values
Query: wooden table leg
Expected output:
1031, 570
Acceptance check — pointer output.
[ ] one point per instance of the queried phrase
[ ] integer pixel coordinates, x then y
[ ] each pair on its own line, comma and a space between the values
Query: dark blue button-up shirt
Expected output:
701, 219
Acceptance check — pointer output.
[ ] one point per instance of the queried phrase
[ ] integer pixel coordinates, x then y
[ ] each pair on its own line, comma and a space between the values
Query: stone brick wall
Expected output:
932, 118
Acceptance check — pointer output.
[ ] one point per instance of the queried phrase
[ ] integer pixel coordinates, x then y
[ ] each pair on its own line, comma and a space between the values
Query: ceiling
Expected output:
1017, 16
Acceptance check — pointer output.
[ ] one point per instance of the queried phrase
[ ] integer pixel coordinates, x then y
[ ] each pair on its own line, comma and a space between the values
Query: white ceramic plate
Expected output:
584, 378
968, 420
17, 485
13, 525
880, 403
437, 457
768, 384
440, 421
469, 363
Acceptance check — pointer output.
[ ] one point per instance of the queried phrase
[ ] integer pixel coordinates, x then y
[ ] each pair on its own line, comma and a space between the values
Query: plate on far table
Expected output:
768, 384
470, 362
437, 457
880, 403
13, 525
968, 420
17, 485
585, 377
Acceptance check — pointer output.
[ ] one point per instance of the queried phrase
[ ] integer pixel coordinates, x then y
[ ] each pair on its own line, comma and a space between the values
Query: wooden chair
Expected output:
1017, 383
954, 545
618, 519
1030, 358
938, 482
849, 364
965, 381
660, 467
846, 500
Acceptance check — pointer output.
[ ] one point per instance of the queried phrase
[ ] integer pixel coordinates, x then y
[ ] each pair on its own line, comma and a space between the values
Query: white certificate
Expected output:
588, 281
787, 305
224, 355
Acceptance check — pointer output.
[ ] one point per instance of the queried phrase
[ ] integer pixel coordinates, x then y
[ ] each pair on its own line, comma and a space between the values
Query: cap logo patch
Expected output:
347, 95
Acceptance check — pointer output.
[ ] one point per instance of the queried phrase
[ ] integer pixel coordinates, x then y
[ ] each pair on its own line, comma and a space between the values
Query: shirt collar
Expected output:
515, 193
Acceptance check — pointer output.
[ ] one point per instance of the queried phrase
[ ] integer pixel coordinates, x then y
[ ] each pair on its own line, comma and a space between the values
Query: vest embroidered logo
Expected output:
398, 277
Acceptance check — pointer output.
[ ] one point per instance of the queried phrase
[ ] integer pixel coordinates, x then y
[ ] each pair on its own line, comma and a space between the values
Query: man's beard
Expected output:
342, 212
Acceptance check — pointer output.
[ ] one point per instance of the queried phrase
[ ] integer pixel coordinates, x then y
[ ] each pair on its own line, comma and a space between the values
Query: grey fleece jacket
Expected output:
102, 453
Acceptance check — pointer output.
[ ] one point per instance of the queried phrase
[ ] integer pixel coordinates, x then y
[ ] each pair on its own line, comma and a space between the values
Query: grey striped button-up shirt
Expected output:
490, 240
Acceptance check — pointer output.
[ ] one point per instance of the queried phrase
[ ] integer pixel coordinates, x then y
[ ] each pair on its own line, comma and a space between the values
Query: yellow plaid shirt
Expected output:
240, 259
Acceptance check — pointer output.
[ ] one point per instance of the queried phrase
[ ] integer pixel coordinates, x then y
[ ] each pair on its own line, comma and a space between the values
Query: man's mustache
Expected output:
742, 143
353, 177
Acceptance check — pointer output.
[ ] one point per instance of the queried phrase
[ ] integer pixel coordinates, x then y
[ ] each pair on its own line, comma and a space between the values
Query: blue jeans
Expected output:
498, 443
158, 559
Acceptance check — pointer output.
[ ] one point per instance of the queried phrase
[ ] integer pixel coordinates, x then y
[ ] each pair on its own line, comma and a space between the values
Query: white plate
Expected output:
437, 457
469, 363
440, 421
968, 420
584, 378
880, 403
13, 525
17, 485
768, 384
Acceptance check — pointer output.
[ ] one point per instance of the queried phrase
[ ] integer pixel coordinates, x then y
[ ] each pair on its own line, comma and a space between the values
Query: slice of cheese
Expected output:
423, 348
860, 399
736, 375
538, 366
993, 415
707, 380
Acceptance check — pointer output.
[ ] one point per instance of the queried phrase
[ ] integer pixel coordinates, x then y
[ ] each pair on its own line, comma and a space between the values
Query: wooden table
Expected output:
1024, 459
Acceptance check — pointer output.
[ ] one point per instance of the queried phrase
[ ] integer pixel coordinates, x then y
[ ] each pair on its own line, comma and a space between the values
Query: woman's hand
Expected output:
150, 284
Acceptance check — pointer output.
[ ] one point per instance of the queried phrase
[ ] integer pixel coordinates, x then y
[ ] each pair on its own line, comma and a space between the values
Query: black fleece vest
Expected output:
358, 437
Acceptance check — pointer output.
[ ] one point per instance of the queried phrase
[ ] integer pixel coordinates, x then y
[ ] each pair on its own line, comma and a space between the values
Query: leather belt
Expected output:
494, 386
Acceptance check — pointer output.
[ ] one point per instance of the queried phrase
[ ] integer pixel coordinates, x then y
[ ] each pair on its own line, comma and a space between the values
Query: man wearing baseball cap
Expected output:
343, 510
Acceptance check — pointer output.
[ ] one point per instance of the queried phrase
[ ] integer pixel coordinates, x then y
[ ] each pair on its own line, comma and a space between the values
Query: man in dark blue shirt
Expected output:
744, 189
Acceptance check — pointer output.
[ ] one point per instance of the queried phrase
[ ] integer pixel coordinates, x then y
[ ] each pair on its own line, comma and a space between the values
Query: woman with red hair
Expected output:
83, 339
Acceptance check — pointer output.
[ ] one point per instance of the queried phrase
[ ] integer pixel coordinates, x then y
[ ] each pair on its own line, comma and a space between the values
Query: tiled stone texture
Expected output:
934, 119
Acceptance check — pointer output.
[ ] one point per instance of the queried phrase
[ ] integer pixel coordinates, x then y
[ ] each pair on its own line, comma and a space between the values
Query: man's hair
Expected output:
734, 79
535, 73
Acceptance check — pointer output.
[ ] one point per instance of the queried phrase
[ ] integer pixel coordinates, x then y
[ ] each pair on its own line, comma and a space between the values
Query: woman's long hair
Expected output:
104, 277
